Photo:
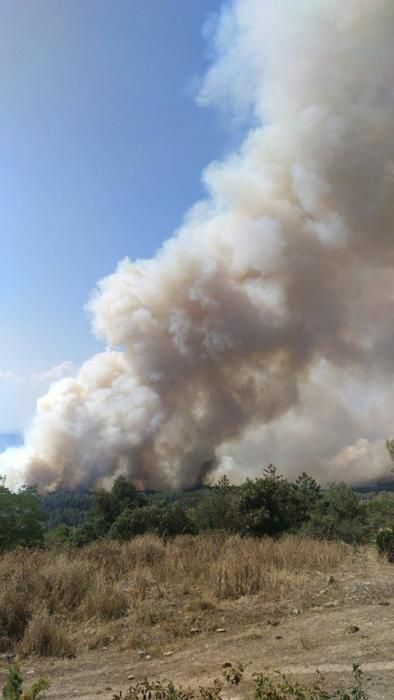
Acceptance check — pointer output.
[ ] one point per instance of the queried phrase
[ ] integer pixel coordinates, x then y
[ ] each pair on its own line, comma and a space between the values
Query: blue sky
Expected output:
101, 152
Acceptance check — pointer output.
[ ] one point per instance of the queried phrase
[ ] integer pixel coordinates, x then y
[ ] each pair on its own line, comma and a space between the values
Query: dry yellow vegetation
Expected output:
145, 592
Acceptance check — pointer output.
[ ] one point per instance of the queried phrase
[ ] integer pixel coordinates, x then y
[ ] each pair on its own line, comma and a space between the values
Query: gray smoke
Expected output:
263, 330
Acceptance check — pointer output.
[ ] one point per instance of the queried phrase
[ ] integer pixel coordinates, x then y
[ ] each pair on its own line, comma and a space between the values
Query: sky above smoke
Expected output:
263, 329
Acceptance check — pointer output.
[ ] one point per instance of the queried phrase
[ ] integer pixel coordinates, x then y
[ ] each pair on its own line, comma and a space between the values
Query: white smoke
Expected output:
263, 330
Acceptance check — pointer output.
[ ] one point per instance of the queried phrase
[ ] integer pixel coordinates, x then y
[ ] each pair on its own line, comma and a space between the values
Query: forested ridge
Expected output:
268, 505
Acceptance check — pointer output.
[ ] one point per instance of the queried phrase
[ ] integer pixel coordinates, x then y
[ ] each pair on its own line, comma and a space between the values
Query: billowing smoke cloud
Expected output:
264, 329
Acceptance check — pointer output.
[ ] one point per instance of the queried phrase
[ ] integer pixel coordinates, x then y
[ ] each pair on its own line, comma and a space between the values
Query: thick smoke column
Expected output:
274, 302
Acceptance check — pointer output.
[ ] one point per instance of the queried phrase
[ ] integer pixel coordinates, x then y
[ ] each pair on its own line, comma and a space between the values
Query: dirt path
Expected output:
349, 620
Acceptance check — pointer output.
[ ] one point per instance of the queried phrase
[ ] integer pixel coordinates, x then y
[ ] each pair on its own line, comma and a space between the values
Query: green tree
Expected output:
218, 508
106, 508
339, 515
20, 518
268, 505
165, 520
380, 511
136, 521
308, 495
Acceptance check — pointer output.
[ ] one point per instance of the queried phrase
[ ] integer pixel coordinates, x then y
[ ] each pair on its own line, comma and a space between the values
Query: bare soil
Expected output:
328, 624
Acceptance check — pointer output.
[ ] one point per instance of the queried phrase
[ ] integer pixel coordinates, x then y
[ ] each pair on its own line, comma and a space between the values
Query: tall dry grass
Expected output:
54, 602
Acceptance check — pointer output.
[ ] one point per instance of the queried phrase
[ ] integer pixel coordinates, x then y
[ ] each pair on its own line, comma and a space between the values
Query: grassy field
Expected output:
146, 592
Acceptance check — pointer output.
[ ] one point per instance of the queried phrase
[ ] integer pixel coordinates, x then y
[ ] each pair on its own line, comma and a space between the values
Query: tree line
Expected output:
268, 505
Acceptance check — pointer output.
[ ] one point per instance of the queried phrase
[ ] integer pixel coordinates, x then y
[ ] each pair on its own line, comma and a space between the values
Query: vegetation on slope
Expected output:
147, 591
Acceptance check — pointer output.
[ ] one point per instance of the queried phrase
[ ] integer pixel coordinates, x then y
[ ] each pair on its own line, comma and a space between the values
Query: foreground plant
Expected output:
281, 688
13, 688
266, 687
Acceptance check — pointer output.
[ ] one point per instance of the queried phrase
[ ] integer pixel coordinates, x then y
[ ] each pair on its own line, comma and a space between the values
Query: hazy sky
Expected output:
101, 151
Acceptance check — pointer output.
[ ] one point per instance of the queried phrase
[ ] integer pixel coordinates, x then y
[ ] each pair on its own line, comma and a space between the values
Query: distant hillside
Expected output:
65, 508
385, 483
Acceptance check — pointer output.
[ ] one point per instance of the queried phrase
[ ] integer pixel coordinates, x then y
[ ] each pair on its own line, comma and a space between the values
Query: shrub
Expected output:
46, 636
268, 505
266, 687
13, 687
20, 518
380, 511
105, 601
339, 515
385, 543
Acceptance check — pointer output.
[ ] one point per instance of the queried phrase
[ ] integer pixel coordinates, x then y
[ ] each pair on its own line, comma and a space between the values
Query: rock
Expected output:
352, 629
7, 657
195, 630
227, 664
330, 604
384, 603
104, 648
273, 623
141, 652
147, 657
278, 636
220, 630
168, 653
130, 677
295, 611
331, 580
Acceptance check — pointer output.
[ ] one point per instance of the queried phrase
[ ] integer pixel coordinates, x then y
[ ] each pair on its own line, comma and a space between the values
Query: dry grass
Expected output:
46, 635
55, 602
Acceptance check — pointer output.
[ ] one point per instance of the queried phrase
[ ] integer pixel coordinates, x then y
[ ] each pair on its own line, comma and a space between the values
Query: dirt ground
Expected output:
327, 625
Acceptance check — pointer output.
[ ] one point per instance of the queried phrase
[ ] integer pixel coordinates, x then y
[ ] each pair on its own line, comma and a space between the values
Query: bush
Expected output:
385, 543
380, 512
46, 636
339, 515
20, 518
217, 510
105, 601
13, 687
268, 505
265, 688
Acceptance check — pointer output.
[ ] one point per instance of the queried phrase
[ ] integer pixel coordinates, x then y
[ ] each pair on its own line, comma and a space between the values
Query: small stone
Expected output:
168, 653
104, 648
352, 629
130, 677
278, 636
331, 580
273, 623
141, 652
195, 630
220, 630
147, 657
330, 604
295, 611
227, 664
385, 603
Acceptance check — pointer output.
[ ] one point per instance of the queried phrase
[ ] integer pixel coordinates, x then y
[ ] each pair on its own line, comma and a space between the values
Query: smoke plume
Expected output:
264, 328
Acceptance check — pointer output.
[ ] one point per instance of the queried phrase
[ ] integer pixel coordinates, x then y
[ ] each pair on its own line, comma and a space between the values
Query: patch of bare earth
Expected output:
195, 604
